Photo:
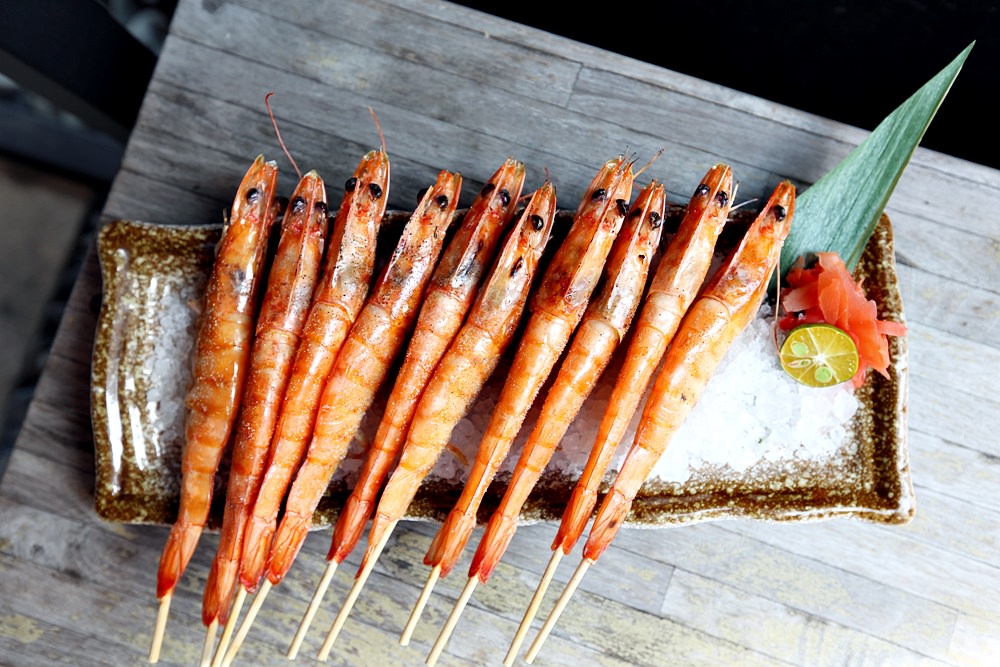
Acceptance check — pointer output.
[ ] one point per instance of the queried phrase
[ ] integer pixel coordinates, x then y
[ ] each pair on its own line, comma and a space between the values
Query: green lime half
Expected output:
819, 355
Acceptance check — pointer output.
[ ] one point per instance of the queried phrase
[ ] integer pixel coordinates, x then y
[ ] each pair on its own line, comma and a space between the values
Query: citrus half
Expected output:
819, 355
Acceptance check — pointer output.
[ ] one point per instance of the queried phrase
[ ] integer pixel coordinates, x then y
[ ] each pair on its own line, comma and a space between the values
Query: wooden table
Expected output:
461, 90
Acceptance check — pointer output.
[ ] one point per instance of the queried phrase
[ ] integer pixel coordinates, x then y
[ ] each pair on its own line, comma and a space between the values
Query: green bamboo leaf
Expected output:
839, 211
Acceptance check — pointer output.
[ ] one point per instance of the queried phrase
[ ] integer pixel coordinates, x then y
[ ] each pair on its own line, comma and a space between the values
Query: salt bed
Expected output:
752, 415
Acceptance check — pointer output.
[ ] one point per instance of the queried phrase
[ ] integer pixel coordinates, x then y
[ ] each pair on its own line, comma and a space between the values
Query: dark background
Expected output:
850, 60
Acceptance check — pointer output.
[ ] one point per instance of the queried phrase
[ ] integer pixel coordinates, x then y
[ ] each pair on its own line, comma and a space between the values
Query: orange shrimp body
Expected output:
556, 310
674, 285
290, 285
603, 326
448, 299
459, 377
222, 354
347, 271
364, 361
726, 306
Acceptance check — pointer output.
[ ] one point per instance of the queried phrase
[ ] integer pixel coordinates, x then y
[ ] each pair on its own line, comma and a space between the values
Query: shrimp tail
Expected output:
350, 526
176, 554
499, 532
447, 546
256, 546
613, 512
218, 590
581, 505
286, 546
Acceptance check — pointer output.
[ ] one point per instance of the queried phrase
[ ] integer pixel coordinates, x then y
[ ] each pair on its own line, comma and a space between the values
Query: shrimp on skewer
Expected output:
446, 302
290, 285
726, 306
343, 286
459, 377
675, 283
603, 326
556, 310
361, 366
222, 353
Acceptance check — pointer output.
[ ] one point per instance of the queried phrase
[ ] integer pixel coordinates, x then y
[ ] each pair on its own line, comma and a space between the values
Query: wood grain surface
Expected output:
457, 89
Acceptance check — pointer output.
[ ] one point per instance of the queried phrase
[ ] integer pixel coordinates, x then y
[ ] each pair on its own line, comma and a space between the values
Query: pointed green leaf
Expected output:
839, 211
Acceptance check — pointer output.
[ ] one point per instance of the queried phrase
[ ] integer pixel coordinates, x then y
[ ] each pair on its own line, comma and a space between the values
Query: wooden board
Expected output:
458, 89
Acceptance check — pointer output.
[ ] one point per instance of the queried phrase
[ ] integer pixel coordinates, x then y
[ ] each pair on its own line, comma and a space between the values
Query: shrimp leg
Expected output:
290, 285
603, 326
446, 302
343, 286
222, 354
557, 309
674, 285
361, 366
459, 377
726, 306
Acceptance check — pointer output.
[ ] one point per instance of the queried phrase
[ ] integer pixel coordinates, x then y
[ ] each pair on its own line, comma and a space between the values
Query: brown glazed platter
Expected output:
153, 276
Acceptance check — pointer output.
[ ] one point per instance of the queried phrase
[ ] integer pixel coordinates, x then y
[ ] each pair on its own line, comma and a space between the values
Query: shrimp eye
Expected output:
537, 222
298, 204
779, 213
376, 190
351, 183
654, 220
622, 206
504, 197
701, 191
442, 201
722, 198
253, 194
487, 189
599, 194
321, 207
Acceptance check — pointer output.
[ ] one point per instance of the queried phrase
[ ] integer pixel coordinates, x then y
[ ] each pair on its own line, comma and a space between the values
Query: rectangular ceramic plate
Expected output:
153, 277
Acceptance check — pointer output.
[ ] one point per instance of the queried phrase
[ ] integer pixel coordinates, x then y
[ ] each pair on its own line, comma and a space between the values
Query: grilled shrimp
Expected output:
290, 285
459, 377
222, 355
725, 307
446, 303
556, 310
359, 370
603, 326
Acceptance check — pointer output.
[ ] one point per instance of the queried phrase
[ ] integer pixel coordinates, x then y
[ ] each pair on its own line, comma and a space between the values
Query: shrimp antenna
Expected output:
653, 159
267, 103
378, 127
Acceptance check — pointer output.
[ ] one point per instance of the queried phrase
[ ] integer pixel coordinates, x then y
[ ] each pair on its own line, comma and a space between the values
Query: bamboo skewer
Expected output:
449, 625
227, 630
241, 634
532, 610
160, 629
352, 595
418, 608
307, 619
206, 649
557, 611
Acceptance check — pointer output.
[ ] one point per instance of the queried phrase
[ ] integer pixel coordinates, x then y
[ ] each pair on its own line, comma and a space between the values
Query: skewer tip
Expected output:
418, 608
248, 620
206, 649
532, 610
307, 619
230, 626
449, 626
160, 629
557, 611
